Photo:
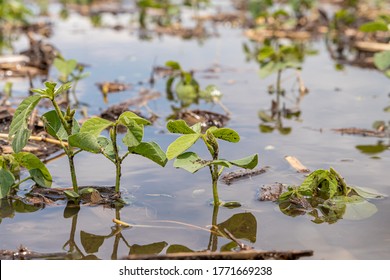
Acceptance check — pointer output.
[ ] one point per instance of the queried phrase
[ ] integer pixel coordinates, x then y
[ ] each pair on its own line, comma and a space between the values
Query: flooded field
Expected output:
325, 104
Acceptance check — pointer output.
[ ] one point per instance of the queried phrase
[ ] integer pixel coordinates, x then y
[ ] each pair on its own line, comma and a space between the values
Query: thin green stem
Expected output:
21, 181
214, 177
118, 160
69, 151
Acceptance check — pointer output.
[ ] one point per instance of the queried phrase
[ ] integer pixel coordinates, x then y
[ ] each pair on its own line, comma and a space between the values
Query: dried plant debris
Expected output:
240, 255
362, 132
271, 192
184, 32
206, 118
241, 174
296, 164
89, 196
110, 87
113, 112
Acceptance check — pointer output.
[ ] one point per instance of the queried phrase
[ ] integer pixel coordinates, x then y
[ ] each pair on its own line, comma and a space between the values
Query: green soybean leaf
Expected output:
190, 161
65, 67
19, 126
187, 94
95, 126
36, 168
6, 182
197, 127
373, 26
265, 53
63, 88
152, 151
180, 126
127, 117
226, 134
365, 193
268, 69
173, 64
107, 146
54, 127
85, 141
249, 162
72, 195
382, 60
134, 135
181, 144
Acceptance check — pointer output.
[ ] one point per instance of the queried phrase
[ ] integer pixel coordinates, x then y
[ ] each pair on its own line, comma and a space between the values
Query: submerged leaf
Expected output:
241, 226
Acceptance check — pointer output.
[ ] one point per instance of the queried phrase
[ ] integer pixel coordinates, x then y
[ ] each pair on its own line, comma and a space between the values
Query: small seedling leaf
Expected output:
226, 134
249, 162
85, 141
181, 127
241, 226
373, 26
91, 242
173, 64
19, 126
153, 248
71, 195
181, 144
382, 60
186, 93
95, 126
6, 182
152, 151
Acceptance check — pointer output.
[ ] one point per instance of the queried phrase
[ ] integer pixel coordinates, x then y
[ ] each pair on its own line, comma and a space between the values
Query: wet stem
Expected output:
118, 159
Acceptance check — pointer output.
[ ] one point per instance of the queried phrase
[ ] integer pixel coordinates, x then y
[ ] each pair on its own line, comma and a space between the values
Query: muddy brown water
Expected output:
162, 200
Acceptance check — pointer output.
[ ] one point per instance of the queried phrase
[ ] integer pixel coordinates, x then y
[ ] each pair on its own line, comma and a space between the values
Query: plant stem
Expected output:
118, 160
21, 181
214, 177
69, 151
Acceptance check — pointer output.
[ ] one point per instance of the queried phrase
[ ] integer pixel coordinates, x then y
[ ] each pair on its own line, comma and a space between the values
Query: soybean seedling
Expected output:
58, 123
10, 166
89, 139
191, 162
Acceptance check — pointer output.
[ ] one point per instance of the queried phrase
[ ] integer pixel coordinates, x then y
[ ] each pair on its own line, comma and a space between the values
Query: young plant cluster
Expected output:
89, 137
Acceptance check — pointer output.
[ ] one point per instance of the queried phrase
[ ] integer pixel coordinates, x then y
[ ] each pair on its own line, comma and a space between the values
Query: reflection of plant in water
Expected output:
382, 62
275, 58
13, 14
191, 162
325, 196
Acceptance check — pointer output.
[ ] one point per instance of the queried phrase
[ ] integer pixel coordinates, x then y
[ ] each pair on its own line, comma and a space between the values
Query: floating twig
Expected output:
296, 164
241, 255
230, 177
